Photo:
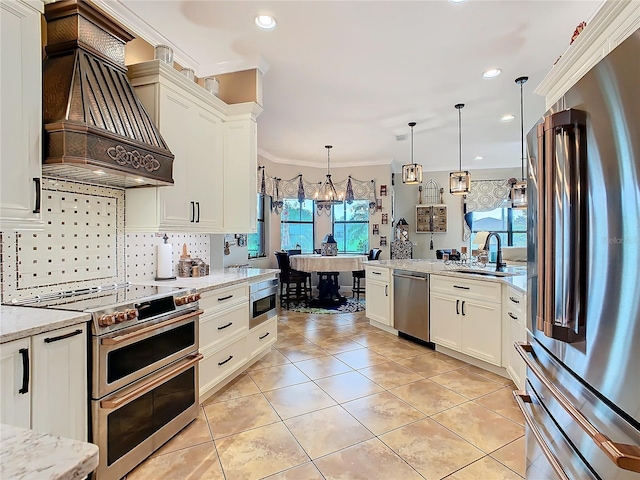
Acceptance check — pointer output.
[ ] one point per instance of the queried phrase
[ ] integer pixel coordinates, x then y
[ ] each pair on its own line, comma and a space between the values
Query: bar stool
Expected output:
357, 289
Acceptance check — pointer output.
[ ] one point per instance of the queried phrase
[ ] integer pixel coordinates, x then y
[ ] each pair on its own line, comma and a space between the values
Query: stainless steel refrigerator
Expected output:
582, 398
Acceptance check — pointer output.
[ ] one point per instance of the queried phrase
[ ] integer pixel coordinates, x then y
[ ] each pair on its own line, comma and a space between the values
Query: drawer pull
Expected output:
222, 299
376, 273
225, 326
461, 287
512, 315
62, 337
227, 360
514, 300
263, 336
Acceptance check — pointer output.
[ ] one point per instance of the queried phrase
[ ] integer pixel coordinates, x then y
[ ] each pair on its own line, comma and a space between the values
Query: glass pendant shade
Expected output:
519, 189
460, 181
327, 194
519, 195
412, 172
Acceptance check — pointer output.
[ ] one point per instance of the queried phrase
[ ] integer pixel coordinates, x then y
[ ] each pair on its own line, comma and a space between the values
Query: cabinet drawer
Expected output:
215, 366
478, 290
514, 300
262, 336
378, 273
219, 299
218, 326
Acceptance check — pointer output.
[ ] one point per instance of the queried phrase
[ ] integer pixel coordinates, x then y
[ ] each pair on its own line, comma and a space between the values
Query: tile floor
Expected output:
339, 399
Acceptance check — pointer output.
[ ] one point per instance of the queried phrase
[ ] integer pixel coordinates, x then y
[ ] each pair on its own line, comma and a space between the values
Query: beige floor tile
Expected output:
319, 334
348, 386
278, 377
193, 463
297, 353
427, 365
368, 339
308, 471
487, 468
339, 345
298, 399
260, 452
513, 456
466, 383
483, 428
326, 431
490, 375
304, 325
428, 397
453, 361
196, 433
248, 412
241, 386
332, 321
431, 449
361, 358
390, 375
382, 412
322, 367
272, 359
502, 402
289, 339
370, 460
396, 350
347, 329
283, 327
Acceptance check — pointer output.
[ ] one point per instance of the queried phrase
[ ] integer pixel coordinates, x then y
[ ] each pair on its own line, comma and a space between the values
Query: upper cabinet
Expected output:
21, 114
215, 164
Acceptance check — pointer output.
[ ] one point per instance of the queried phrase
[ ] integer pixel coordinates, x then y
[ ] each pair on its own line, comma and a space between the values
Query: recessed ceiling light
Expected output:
457, 1
99, 172
479, 158
266, 22
491, 73
507, 118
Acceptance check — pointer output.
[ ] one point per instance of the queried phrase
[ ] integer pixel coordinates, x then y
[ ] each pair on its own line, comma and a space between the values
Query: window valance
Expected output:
485, 195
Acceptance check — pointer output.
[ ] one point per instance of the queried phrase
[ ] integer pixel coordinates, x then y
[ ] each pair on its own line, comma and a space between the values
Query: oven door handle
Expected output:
143, 331
623, 455
522, 398
117, 402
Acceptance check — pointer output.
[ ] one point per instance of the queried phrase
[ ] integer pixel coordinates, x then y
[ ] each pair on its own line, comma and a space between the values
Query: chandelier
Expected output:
460, 181
519, 189
412, 172
326, 196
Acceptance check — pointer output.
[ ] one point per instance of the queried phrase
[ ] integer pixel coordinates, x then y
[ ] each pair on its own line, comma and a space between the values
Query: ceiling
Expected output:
354, 73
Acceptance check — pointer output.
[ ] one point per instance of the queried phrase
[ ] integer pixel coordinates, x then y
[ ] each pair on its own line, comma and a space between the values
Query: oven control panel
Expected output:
108, 319
183, 300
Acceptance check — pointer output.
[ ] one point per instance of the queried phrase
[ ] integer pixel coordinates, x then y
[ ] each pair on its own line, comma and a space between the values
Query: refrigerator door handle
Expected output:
522, 398
624, 456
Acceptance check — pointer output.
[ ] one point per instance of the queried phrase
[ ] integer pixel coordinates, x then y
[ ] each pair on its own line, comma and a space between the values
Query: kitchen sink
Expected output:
486, 273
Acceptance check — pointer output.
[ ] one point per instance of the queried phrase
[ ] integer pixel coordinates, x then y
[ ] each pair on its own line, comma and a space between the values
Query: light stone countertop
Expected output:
29, 455
218, 278
21, 322
438, 267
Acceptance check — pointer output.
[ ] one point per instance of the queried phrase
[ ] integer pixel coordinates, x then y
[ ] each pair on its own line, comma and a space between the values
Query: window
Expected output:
510, 224
296, 225
256, 241
351, 226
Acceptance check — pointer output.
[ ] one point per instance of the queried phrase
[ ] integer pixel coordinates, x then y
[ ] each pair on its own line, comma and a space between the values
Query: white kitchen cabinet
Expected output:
466, 317
59, 368
378, 295
21, 115
15, 399
215, 165
514, 312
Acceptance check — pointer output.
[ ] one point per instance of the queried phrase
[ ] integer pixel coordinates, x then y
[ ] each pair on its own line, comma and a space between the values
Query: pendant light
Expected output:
412, 172
519, 189
327, 194
460, 181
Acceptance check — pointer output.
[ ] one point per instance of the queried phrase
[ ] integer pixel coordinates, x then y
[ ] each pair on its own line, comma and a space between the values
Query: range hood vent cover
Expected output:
96, 129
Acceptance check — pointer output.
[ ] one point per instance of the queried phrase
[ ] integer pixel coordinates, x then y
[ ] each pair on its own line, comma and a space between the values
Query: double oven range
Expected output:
143, 367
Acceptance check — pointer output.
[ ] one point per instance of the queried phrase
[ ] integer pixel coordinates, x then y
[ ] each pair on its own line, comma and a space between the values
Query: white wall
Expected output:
406, 198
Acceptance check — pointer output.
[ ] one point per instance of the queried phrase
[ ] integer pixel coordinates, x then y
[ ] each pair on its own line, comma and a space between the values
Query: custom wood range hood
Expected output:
95, 128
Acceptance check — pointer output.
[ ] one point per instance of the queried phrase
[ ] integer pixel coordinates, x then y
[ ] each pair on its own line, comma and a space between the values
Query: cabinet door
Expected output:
15, 407
378, 302
175, 121
21, 116
445, 320
205, 171
60, 393
481, 330
517, 333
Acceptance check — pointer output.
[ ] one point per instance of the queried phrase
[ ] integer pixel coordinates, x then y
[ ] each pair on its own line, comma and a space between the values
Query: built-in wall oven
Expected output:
263, 301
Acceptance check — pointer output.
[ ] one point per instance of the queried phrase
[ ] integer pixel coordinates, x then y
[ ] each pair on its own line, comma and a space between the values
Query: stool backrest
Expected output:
283, 265
374, 254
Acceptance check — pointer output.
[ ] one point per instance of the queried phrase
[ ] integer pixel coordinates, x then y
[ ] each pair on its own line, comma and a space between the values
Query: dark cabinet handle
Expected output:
457, 307
25, 370
227, 360
62, 337
198, 207
225, 298
193, 212
461, 288
512, 315
263, 336
225, 326
514, 300
36, 209
463, 314
376, 273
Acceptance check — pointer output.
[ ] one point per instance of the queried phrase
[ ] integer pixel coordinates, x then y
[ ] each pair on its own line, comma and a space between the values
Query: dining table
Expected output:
328, 268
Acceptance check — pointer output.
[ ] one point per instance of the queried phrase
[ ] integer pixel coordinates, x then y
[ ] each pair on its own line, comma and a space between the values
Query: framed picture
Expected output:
385, 218
383, 190
379, 204
383, 241
376, 229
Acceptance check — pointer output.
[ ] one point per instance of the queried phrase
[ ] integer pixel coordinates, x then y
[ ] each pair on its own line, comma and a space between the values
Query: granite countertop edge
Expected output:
27, 454
219, 278
22, 322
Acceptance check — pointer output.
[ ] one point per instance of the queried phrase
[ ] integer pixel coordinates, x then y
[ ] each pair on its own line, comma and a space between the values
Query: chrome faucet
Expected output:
499, 264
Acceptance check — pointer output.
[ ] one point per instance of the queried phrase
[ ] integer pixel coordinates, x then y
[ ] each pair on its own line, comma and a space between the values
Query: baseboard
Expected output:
474, 361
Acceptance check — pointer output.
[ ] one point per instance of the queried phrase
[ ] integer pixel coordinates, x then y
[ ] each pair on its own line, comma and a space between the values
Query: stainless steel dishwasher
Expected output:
411, 303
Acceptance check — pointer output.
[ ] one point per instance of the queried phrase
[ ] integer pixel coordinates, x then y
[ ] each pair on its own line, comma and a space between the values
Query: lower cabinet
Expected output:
446, 323
44, 382
378, 295
514, 308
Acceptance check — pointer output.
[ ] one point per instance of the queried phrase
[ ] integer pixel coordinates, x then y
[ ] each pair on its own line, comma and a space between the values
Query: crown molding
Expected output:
303, 163
257, 62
